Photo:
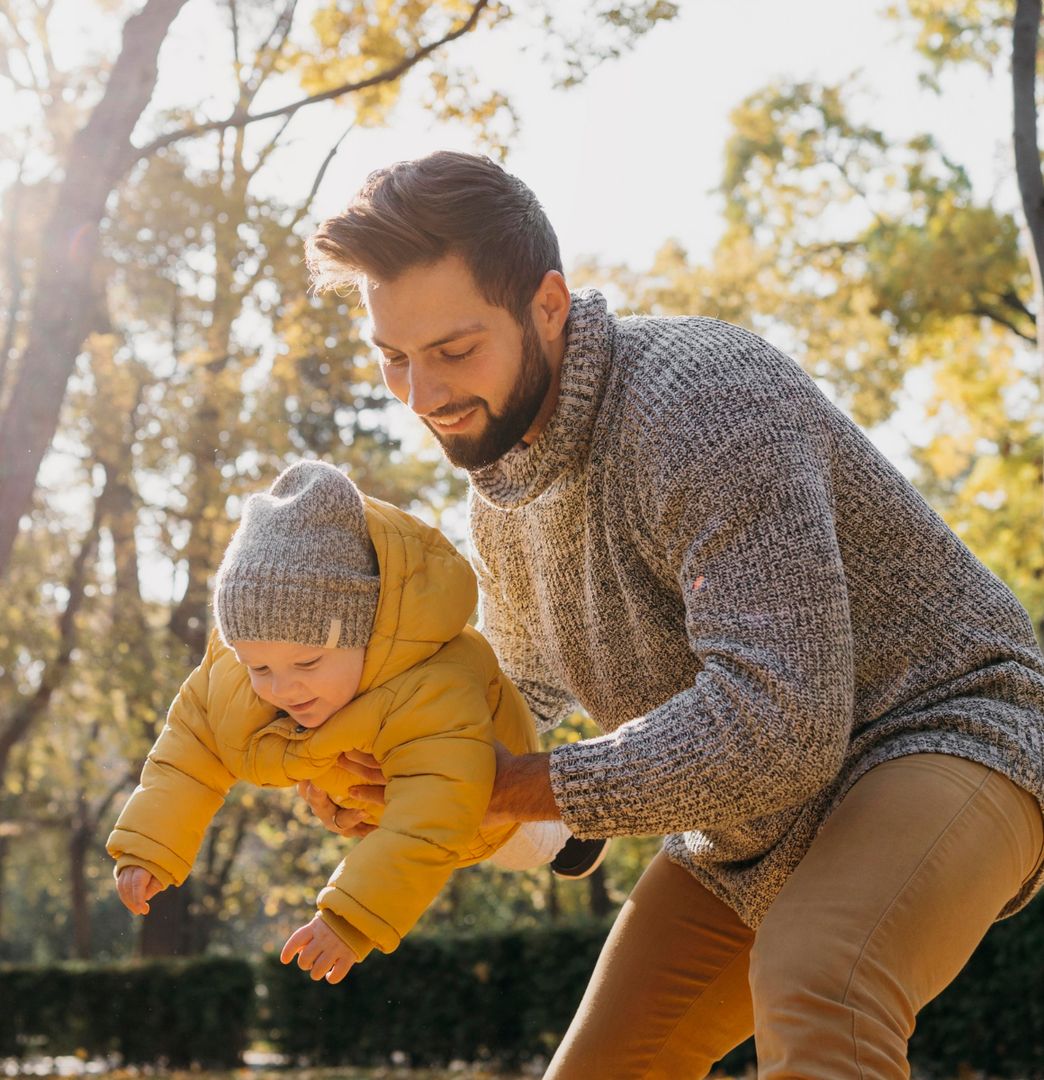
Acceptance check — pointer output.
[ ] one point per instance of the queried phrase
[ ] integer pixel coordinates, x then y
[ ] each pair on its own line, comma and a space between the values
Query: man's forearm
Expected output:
522, 790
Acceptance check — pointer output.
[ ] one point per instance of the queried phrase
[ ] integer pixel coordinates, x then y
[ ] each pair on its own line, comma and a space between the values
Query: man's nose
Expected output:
426, 391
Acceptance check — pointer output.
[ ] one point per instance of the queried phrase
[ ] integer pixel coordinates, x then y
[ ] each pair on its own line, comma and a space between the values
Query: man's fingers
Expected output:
346, 820
315, 797
320, 803
362, 765
369, 793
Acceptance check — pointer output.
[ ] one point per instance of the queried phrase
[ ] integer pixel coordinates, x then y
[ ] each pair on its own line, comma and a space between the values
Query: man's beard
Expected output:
502, 430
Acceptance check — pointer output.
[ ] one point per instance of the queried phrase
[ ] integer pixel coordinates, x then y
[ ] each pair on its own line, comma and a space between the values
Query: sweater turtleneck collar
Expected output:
526, 472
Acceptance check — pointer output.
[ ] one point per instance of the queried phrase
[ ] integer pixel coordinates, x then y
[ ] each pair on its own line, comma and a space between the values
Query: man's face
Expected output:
308, 682
474, 376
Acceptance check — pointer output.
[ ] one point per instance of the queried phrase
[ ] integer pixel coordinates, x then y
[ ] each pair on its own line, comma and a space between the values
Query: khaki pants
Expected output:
895, 893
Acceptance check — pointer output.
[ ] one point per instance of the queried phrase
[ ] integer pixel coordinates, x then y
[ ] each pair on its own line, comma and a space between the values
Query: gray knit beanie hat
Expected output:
301, 567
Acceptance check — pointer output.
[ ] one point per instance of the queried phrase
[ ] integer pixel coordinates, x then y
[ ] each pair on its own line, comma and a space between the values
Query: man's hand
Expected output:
341, 819
137, 887
319, 950
521, 789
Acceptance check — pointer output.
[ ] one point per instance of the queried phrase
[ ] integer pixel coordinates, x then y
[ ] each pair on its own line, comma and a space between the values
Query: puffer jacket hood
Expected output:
428, 593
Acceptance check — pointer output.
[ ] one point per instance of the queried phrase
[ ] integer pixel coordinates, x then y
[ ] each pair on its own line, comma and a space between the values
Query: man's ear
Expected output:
550, 308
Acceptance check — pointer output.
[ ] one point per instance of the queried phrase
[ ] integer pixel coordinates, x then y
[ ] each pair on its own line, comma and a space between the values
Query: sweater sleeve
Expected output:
520, 659
183, 784
436, 750
745, 526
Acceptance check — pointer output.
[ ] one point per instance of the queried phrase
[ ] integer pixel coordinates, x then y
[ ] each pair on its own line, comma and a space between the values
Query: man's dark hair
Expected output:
414, 213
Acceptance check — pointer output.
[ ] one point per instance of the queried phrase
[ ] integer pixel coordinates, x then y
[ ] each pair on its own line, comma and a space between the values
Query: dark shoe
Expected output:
577, 859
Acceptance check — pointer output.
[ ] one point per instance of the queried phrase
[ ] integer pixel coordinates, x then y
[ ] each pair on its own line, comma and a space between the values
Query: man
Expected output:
834, 711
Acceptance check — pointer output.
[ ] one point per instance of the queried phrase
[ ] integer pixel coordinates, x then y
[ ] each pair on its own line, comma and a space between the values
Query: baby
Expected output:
341, 627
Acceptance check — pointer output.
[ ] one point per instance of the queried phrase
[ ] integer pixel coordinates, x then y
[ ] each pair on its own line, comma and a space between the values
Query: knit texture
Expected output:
301, 567
741, 590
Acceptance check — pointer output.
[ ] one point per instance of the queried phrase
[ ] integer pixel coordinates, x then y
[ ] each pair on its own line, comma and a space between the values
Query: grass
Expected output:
74, 1067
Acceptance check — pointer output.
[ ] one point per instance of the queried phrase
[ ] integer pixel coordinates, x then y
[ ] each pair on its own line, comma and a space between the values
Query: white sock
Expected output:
535, 843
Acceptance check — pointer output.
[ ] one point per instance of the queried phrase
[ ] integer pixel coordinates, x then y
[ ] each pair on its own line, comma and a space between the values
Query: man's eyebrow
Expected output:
453, 335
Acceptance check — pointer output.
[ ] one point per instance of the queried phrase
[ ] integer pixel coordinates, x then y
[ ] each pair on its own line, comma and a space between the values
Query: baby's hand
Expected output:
137, 887
319, 950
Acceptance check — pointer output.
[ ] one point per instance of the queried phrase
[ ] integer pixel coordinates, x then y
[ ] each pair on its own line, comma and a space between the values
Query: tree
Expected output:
876, 264
206, 368
389, 42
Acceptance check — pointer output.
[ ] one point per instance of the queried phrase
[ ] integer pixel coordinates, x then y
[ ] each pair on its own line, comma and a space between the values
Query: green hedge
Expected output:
177, 1012
505, 996
510, 996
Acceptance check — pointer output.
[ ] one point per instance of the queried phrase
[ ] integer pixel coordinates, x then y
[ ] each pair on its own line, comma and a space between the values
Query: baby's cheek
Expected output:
259, 689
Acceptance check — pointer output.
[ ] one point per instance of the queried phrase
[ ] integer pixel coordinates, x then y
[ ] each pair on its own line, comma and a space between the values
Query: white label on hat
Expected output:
334, 636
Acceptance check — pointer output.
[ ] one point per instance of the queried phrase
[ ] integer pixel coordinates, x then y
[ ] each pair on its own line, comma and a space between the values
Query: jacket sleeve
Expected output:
436, 750
745, 526
521, 660
183, 784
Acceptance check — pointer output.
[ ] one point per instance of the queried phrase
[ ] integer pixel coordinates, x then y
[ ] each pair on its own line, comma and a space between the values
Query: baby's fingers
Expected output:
340, 968
295, 943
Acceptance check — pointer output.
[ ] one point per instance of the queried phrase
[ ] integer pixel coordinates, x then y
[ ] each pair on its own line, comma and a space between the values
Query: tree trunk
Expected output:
554, 909
5, 842
79, 842
63, 300
598, 894
167, 929
1024, 45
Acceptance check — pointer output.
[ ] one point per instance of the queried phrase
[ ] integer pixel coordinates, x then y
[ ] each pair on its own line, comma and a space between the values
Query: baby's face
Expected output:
307, 682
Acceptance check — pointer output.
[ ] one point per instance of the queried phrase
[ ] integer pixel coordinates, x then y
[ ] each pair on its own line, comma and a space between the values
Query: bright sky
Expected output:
628, 158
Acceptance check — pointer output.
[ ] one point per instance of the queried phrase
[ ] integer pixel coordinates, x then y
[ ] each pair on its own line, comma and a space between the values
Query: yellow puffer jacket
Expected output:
431, 701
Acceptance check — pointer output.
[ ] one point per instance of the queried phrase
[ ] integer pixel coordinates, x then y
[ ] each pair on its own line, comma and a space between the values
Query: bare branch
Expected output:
272, 47
27, 50
234, 13
22, 719
1012, 300
14, 272
238, 119
986, 312
307, 205
101, 807
42, 15
266, 152
1025, 35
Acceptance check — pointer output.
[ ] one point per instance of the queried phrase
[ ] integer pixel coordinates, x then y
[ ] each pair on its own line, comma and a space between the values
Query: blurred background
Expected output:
840, 177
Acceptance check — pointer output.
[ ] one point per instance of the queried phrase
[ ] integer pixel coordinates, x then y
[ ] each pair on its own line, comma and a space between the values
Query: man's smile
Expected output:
452, 425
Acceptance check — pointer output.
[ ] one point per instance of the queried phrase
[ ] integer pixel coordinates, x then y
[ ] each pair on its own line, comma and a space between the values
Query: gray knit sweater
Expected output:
711, 559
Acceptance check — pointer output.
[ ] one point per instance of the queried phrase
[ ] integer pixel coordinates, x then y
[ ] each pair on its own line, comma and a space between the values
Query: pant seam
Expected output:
692, 1004
884, 914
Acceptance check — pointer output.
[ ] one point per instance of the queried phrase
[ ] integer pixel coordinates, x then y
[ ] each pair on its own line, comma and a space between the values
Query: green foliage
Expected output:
173, 1011
992, 1017
507, 996
873, 262
956, 31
